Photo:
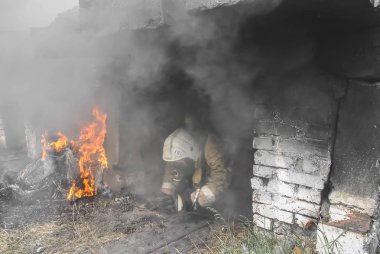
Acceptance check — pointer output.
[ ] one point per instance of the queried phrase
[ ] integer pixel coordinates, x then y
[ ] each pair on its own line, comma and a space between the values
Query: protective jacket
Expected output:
211, 174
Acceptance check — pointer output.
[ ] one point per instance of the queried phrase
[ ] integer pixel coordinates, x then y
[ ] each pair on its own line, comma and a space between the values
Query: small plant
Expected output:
244, 237
329, 246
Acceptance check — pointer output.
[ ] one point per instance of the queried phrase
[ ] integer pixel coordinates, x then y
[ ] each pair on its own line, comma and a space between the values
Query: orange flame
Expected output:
92, 155
58, 145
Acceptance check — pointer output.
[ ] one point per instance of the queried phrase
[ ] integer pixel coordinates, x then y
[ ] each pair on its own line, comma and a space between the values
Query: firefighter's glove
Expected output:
163, 203
205, 197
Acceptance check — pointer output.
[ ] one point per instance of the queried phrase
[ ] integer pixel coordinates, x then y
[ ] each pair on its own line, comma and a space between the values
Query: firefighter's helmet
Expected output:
179, 145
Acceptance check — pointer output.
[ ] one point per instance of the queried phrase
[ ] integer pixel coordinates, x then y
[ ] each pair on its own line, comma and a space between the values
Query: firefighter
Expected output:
196, 173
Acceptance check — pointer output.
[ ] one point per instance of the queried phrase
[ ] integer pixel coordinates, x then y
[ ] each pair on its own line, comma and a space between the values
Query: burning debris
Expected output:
92, 157
74, 167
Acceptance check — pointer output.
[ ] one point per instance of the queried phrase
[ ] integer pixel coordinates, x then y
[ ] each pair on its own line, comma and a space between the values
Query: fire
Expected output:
58, 145
90, 150
92, 155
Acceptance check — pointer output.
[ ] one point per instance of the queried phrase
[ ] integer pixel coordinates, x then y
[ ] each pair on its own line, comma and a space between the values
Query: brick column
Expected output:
292, 161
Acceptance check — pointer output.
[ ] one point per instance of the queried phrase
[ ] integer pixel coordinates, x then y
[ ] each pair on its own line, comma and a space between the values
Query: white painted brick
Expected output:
263, 143
262, 222
304, 147
265, 127
310, 166
273, 213
262, 197
308, 194
263, 171
301, 179
347, 242
257, 183
296, 206
275, 186
317, 165
269, 158
302, 221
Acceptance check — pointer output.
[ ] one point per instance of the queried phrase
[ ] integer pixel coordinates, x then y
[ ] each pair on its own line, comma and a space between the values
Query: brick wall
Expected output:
292, 158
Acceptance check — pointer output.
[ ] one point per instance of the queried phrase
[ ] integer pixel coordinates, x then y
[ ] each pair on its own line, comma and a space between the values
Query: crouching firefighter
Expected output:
196, 174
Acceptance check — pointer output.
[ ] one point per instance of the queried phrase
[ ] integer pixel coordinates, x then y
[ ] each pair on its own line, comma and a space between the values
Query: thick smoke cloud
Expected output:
214, 62
23, 14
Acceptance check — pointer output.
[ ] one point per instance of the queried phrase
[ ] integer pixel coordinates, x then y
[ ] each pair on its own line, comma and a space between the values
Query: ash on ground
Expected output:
59, 226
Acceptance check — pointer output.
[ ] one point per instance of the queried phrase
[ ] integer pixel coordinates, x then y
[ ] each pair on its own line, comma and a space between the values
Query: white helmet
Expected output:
180, 144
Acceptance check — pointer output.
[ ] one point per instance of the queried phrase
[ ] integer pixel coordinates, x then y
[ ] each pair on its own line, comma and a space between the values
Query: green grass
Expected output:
243, 237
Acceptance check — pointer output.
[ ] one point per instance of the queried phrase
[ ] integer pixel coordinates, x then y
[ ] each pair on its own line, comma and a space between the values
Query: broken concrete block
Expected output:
288, 176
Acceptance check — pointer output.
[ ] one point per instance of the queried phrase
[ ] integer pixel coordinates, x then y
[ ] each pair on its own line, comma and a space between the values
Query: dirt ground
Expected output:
118, 224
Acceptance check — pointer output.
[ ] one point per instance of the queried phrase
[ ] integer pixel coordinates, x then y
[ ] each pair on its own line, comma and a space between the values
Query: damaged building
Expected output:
290, 87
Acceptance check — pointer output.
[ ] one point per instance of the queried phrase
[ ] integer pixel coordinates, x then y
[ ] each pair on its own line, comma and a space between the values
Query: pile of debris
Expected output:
42, 179
71, 168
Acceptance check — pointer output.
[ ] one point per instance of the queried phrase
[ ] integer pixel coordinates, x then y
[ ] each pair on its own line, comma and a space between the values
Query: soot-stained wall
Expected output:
354, 197
250, 72
249, 76
293, 151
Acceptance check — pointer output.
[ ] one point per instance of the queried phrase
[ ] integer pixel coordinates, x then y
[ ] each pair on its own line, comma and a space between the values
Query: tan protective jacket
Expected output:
211, 174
